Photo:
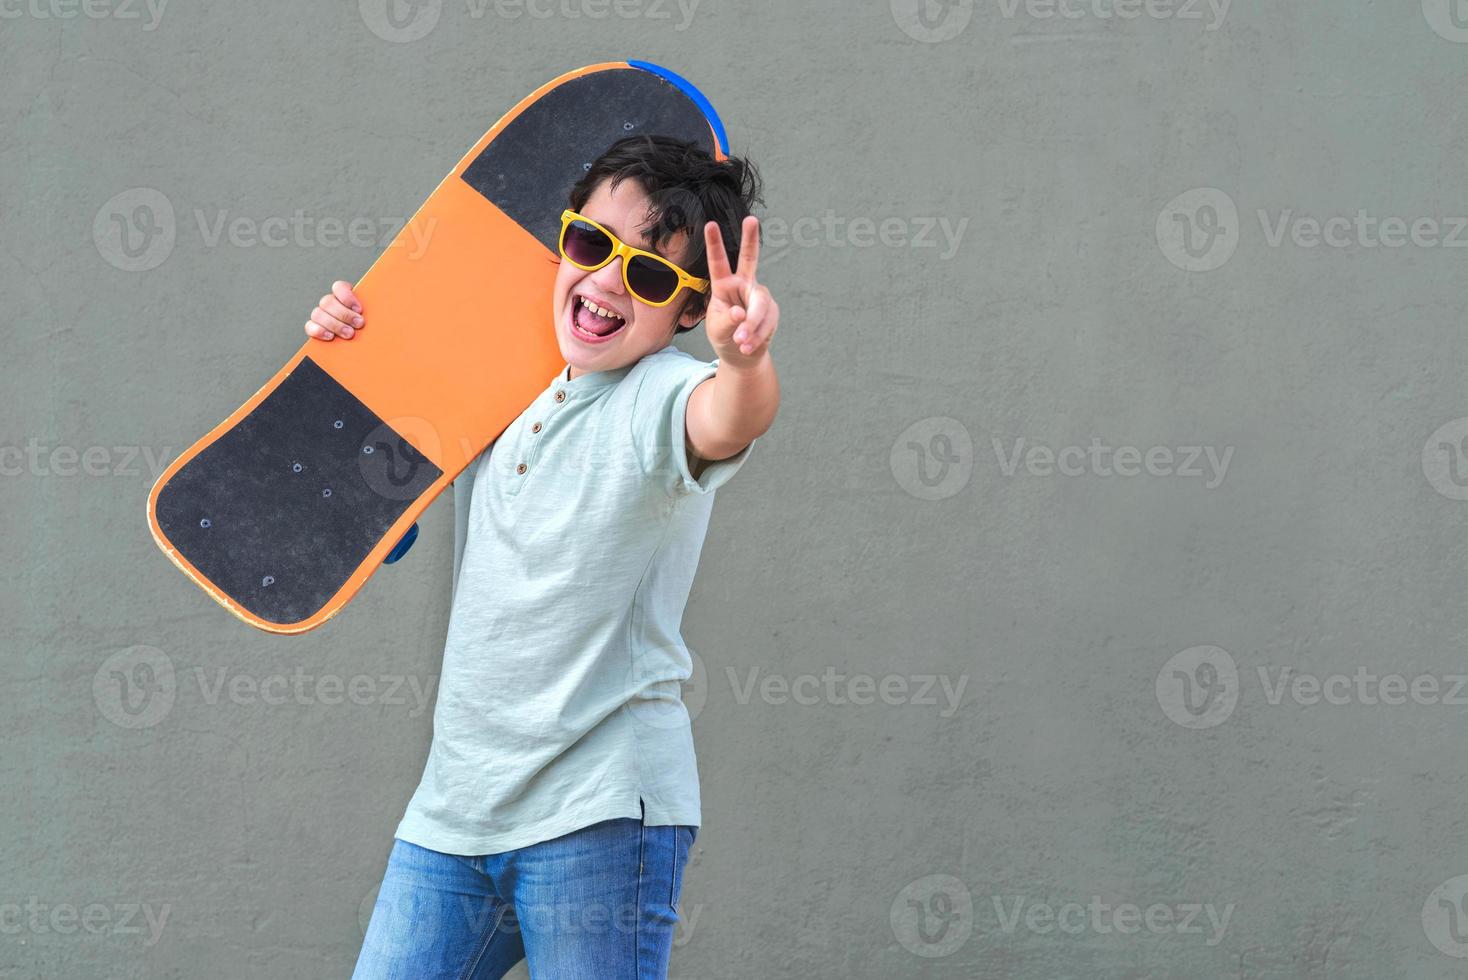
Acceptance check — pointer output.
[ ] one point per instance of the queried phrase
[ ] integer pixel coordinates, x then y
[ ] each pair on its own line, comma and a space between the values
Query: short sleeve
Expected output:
659, 427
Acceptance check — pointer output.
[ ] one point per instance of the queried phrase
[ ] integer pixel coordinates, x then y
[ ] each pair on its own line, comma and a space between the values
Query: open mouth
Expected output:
592, 323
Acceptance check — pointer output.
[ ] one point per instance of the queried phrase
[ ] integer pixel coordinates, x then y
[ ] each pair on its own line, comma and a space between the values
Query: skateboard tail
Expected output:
699, 99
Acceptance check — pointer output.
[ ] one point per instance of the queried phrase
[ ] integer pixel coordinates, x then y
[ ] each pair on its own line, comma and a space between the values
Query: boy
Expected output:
560, 796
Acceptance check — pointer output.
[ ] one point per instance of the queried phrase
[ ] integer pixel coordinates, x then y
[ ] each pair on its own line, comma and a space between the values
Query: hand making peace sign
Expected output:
741, 316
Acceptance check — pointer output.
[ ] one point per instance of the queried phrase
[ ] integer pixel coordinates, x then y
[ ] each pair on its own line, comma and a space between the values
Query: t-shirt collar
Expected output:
593, 379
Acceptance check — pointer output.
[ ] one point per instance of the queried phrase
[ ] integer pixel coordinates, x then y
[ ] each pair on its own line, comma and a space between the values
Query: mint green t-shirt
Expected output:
578, 532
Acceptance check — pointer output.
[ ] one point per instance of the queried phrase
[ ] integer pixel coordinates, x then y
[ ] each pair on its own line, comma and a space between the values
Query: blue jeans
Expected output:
598, 903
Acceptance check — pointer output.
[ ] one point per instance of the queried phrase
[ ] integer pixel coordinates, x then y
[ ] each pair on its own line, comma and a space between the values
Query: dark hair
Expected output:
686, 187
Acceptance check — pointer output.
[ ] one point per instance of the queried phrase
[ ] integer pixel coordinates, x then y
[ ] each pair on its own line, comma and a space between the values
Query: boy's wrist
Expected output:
737, 363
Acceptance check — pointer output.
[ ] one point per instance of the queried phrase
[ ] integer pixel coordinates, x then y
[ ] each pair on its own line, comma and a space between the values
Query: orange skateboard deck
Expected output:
283, 510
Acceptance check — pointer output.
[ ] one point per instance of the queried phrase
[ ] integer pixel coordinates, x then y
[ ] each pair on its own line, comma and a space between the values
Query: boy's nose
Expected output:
609, 277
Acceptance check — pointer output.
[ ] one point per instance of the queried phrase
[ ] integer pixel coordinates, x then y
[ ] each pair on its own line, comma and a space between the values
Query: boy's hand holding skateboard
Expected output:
338, 314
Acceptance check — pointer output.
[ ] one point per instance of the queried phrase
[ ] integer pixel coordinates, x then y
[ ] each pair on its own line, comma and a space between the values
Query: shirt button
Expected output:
535, 427
521, 468
560, 396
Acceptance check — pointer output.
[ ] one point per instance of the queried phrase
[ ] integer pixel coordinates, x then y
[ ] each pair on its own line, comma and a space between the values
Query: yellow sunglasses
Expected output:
648, 276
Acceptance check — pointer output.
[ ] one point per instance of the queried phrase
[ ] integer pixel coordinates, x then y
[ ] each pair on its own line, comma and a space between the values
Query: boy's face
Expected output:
644, 329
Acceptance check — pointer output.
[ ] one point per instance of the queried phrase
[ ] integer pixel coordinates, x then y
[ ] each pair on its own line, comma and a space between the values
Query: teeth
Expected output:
598, 310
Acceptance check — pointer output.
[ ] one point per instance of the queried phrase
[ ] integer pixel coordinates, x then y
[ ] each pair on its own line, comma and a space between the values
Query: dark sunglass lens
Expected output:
585, 243
651, 280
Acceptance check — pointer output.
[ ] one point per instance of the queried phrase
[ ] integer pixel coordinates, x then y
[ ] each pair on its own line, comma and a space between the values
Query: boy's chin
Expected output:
589, 357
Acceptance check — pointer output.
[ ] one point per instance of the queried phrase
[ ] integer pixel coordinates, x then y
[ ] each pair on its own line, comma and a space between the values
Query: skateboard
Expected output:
283, 510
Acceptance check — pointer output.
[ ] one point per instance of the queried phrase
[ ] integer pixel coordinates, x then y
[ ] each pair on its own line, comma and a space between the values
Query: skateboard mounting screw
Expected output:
268, 581
367, 450
296, 467
206, 523
337, 424
326, 492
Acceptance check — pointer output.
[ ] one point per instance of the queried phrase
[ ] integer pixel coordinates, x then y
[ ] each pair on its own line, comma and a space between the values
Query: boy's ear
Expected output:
690, 316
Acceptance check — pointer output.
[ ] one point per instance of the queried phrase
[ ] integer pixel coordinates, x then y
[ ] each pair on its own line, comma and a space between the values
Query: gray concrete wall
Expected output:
1083, 417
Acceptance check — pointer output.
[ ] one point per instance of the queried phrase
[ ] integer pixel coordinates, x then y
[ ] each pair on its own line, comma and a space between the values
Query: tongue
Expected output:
595, 322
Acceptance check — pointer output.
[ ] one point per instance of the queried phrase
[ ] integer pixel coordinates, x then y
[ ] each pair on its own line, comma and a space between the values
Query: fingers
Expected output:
718, 258
342, 290
749, 248
760, 323
337, 314
757, 303
335, 308
733, 287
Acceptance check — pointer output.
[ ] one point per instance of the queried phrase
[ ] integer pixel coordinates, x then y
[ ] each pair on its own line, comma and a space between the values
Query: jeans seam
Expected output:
484, 942
673, 878
637, 901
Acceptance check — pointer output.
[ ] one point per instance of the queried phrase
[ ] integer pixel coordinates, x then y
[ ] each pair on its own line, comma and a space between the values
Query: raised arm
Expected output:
728, 411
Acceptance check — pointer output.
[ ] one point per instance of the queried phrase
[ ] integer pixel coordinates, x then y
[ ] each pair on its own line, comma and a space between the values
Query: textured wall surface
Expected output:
1088, 613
